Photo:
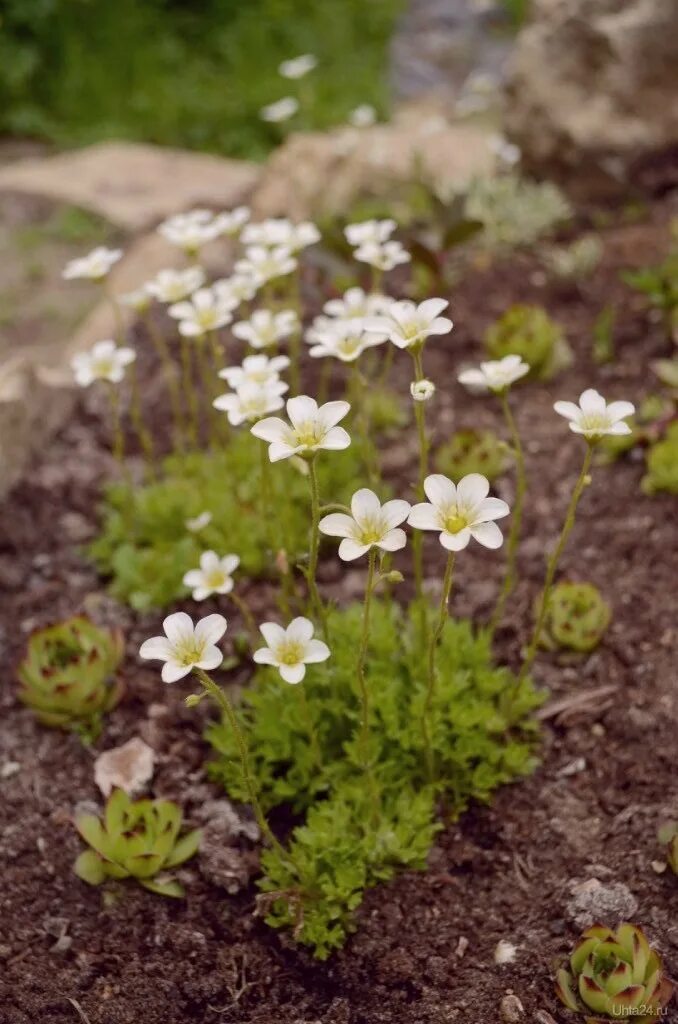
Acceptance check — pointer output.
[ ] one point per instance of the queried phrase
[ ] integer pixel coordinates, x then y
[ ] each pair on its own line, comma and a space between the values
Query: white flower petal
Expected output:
264, 656
424, 517
271, 429
331, 413
300, 630
337, 524
273, 634
292, 673
210, 629
455, 541
350, 549
591, 402
395, 512
567, 409
620, 410
487, 534
172, 670
489, 509
394, 540
156, 648
178, 627
472, 489
336, 439
364, 505
211, 658
301, 409
440, 490
316, 651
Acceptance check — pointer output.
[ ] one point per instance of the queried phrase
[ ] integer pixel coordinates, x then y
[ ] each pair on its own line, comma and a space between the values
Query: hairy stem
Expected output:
433, 641
162, 349
418, 537
514, 533
362, 682
315, 546
553, 564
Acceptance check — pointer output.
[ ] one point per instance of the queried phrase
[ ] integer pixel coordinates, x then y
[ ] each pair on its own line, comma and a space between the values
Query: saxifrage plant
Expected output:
577, 616
529, 332
67, 676
137, 839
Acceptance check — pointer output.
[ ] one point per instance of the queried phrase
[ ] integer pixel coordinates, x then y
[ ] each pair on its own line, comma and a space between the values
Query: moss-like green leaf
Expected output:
88, 866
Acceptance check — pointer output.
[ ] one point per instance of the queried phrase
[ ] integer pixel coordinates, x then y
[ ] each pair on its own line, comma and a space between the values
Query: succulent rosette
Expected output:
68, 675
616, 974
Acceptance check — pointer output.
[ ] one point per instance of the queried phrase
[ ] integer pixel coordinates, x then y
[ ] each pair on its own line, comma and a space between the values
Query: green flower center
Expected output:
370, 531
455, 522
189, 652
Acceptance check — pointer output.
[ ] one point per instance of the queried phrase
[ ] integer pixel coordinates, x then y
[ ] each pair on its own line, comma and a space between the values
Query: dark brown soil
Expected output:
423, 950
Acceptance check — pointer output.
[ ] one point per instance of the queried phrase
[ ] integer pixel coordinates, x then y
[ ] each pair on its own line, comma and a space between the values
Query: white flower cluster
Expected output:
372, 244
257, 389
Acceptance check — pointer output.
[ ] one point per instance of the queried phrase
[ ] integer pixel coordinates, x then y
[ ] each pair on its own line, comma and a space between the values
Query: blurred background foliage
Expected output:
192, 73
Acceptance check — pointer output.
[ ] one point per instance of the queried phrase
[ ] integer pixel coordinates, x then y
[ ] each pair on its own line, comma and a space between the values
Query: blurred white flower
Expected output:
363, 116
238, 287
506, 152
279, 231
229, 222
199, 522
251, 402
257, 369
357, 303
189, 231
460, 512
185, 646
384, 257
422, 390
94, 267
297, 67
496, 375
265, 328
281, 110
310, 429
138, 300
104, 361
215, 575
263, 264
291, 650
205, 311
369, 231
175, 285
407, 324
593, 417
370, 524
343, 339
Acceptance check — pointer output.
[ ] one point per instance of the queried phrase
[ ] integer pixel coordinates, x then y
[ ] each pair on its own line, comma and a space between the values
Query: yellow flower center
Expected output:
189, 652
206, 318
215, 579
370, 531
104, 367
290, 653
308, 434
454, 522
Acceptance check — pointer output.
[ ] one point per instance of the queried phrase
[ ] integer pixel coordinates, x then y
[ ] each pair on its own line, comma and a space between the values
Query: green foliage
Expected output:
659, 285
603, 336
662, 464
306, 754
615, 973
514, 211
529, 332
146, 547
668, 837
517, 11
177, 73
135, 839
67, 675
576, 261
472, 451
576, 617
667, 372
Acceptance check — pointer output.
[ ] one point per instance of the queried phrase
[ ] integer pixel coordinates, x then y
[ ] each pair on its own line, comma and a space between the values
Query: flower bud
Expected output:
393, 576
422, 390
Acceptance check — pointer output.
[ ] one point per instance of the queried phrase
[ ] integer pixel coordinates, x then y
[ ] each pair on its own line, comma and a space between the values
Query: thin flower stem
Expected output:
310, 727
387, 364
118, 318
357, 398
514, 533
247, 616
553, 564
222, 701
362, 683
316, 602
265, 474
116, 423
143, 433
295, 336
207, 381
433, 641
324, 379
162, 349
417, 539
377, 278
186, 350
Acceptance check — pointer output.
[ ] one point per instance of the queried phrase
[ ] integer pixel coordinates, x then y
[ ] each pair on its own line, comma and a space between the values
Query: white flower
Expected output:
251, 402
229, 222
384, 257
422, 390
263, 264
215, 575
189, 231
593, 417
290, 650
310, 428
505, 151
185, 646
496, 375
407, 324
369, 231
175, 285
298, 66
363, 116
343, 339
258, 369
460, 512
238, 288
199, 522
95, 266
370, 524
205, 311
265, 328
104, 361
138, 300
357, 303
281, 110
279, 231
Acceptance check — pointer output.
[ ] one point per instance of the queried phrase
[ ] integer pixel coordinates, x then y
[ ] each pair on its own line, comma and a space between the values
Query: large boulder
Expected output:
594, 85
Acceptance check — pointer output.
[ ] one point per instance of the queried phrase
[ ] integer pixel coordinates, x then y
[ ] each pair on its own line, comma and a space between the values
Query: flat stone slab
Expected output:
133, 186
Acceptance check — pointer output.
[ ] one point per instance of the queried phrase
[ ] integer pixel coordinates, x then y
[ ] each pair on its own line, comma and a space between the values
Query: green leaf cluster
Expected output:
659, 284
306, 754
67, 675
615, 973
529, 332
146, 548
135, 839
662, 464
472, 451
577, 616
668, 837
